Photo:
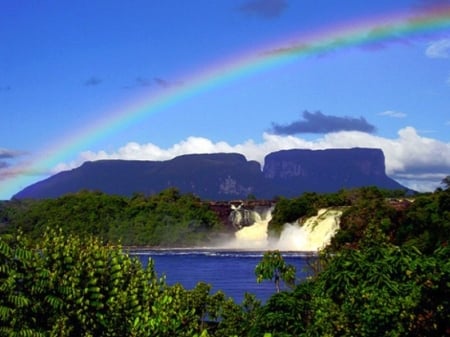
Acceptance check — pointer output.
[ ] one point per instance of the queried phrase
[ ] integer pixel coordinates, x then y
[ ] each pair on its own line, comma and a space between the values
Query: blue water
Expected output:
229, 271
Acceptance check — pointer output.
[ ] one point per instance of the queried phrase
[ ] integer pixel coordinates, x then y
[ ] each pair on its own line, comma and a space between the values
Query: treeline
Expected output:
172, 219
165, 219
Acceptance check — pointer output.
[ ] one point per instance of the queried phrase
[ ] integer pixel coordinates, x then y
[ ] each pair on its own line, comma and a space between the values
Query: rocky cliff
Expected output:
225, 176
326, 170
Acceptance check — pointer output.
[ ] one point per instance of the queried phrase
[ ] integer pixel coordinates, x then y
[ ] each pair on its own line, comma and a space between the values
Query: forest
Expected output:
166, 219
64, 272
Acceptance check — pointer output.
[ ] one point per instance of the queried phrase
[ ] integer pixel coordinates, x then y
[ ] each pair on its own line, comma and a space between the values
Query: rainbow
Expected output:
366, 31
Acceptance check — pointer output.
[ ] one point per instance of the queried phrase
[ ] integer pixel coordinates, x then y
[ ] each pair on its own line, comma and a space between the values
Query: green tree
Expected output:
382, 290
285, 313
273, 267
290, 210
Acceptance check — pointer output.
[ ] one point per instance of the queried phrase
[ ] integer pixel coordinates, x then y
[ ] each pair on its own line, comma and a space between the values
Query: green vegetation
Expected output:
273, 267
422, 220
307, 205
67, 286
385, 273
165, 219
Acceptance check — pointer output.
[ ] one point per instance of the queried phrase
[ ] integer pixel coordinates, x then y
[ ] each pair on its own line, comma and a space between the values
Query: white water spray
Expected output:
314, 234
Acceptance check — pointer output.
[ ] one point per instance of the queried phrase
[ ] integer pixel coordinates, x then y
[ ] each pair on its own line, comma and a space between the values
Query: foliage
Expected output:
290, 210
426, 224
285, 313
376, 290
273, 267
165, 219
381, 290
72, 286
368, 206
238, 320
387, 272
422, 221
67, 285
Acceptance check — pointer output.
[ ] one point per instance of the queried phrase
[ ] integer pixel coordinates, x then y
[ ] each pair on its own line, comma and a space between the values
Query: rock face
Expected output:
236, 214
211, 176
326, 170
225, 176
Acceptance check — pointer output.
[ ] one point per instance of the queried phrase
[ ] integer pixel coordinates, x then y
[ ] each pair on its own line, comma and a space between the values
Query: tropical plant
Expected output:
273, 267
72, 286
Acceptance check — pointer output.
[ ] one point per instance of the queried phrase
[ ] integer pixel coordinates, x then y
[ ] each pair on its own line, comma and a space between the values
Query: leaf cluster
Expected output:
273, 267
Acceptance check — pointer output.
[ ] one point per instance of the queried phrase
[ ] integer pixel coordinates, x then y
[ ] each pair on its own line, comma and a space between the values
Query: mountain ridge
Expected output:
225, 176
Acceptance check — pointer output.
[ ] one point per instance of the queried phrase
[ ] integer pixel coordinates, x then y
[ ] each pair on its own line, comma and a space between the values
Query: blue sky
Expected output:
66, 65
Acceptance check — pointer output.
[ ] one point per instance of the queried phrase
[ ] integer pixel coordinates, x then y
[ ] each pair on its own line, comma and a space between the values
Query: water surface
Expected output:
226, 270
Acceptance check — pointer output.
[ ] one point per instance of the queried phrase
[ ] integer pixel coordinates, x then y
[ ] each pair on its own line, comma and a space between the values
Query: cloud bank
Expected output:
317, 122
415, 161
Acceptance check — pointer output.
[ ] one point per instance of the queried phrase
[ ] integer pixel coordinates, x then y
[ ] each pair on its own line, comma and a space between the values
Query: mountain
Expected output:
225, 176
326, 170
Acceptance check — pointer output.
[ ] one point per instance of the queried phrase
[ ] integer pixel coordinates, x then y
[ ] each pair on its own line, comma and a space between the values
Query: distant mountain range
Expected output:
225, 176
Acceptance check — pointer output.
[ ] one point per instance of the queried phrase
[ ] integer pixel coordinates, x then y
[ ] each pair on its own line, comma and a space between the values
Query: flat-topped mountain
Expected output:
225, 176
326, 170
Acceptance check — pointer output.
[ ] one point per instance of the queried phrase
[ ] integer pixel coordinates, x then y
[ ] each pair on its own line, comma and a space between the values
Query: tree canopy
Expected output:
166, 219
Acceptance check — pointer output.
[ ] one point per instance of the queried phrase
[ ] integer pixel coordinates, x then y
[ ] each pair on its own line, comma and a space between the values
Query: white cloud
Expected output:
438, 49
392, 113
416, 161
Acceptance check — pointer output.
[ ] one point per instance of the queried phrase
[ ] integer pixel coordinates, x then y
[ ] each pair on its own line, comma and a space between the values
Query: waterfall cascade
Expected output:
309, 236
314, 233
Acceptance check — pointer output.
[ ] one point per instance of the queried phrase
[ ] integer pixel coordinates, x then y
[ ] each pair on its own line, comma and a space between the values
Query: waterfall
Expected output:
312, 235
309, 236
252, 224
